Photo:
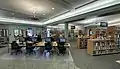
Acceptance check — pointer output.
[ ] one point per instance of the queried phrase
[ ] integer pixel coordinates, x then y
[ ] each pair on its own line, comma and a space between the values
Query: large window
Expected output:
29, 32
16, 32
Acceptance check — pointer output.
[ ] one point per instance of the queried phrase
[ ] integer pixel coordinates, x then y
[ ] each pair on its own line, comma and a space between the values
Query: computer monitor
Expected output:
48, 39
62, 40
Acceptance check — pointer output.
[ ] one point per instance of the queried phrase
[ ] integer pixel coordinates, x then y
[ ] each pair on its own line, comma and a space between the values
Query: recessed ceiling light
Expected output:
43, 14
33, 12
53, 8
12, 13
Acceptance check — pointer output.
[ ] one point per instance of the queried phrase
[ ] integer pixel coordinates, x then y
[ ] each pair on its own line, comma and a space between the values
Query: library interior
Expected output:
59, 34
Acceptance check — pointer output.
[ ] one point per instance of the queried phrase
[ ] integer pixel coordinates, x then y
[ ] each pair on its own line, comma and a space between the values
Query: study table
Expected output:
41, 44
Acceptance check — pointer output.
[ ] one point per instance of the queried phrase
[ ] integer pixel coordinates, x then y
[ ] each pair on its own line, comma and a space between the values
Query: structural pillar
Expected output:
66, 31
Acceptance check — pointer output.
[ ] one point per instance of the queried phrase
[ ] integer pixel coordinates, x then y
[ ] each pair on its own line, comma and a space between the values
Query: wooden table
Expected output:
54, 44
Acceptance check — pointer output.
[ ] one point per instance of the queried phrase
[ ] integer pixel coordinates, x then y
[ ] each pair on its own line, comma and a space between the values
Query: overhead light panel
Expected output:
114, 21
13, 13
44, 14
53, 8
19, 21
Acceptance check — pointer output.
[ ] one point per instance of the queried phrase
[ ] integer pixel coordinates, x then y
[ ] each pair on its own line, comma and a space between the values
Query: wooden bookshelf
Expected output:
101, 47
114, 33
82, 42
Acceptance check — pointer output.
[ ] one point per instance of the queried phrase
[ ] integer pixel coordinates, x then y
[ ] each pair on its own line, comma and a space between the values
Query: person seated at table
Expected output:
28, 38
39, 39
61, 44
15, 48
48, 45
21, 39
29, 47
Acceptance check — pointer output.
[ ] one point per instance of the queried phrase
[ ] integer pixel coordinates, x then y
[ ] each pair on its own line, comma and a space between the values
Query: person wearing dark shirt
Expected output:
15, 47
28, 38
39, 39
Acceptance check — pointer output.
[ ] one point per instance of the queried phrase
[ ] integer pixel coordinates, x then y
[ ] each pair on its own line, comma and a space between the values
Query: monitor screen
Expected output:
48, 40
62, 40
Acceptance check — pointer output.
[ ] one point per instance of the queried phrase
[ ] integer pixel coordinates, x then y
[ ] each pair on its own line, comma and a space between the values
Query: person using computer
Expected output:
39, 39
15, 48
61, 44
48, 46
29, 45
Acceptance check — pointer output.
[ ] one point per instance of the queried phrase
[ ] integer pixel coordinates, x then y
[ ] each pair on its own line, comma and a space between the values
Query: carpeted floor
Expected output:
85, 61
32, 62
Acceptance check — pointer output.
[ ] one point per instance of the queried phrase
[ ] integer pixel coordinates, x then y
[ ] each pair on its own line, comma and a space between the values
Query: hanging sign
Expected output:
103, 24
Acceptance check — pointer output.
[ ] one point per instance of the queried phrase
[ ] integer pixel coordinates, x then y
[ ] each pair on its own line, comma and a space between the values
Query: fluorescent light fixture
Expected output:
89, 20
53, 8
113, 24
43, 14
19, 21
118, 61
91, 7
114, 21
52, 27
12, 13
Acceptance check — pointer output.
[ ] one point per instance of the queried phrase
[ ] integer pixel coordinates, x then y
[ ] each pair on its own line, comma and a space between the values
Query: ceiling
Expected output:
39, 10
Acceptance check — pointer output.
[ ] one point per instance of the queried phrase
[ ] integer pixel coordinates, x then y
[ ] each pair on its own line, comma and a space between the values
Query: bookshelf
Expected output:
114, 33
117, 37
82, 42
101, 47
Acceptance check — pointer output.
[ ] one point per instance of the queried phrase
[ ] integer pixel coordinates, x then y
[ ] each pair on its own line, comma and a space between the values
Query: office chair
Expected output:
29, 49
15, 48
48, 48
61, 48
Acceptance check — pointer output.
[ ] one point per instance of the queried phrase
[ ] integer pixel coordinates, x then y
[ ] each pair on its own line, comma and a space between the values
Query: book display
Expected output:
114, 33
